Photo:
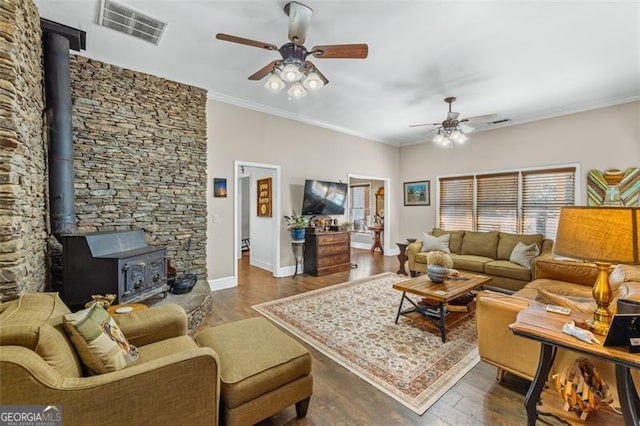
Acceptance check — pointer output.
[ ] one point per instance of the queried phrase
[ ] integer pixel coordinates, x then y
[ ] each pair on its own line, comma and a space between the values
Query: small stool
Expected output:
262, 370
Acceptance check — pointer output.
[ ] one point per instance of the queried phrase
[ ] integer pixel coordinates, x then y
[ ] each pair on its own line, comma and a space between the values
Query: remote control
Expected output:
558, 309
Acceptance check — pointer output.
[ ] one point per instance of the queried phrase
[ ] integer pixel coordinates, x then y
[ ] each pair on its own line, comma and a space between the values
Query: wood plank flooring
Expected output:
342, 398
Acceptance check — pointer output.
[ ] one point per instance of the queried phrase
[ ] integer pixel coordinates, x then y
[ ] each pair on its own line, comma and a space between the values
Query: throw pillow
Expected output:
624, 273
98, 340
455, 240
431, 243
522, 254
575, 303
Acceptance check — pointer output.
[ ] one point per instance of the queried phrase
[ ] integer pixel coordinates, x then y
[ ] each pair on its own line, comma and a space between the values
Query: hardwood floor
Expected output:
342, 398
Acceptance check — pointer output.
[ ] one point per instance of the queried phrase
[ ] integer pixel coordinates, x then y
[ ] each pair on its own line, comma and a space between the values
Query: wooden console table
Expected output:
545, 327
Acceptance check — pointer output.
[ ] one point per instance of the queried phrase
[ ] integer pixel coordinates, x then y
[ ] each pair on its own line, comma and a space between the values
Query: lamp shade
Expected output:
604, 234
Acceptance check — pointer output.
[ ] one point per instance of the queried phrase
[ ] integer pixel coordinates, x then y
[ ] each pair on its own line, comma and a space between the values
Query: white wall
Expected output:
599, 139
261, 227
303, 152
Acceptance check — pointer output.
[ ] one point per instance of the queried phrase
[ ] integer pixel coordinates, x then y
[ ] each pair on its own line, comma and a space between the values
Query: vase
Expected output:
297, 234
437, 273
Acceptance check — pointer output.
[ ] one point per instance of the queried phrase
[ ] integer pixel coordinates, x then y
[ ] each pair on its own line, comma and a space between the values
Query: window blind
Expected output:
544, 192
456, 203
497, 202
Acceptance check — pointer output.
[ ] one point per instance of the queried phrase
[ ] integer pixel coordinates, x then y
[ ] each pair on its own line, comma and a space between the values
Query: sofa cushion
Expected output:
507, 243
431, 243
504, 268
249, 371
56, 349
523, 254
98, 340
455, 239
35, 322
470, 263
480, 244
21, 318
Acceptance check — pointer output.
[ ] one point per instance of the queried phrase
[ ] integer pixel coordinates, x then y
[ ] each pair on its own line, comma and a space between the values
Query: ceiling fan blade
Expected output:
426, 124
356, 51
259, 75
309, 64
299, 20
246, 41
466, 129
479, 118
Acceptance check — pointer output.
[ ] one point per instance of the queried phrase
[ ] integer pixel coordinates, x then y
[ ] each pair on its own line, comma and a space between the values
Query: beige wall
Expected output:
302, 151
598, 139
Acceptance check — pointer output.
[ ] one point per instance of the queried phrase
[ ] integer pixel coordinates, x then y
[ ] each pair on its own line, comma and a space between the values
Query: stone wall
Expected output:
23, 177
140, 158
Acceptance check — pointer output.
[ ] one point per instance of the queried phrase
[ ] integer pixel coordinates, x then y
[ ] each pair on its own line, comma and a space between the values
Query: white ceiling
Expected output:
523, 60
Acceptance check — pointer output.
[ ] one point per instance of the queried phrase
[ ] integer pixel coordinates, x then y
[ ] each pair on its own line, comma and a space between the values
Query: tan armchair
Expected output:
174, 380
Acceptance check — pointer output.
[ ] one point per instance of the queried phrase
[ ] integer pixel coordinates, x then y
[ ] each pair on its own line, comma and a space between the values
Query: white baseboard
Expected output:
222, 283
358, 245
287, 271
262, 264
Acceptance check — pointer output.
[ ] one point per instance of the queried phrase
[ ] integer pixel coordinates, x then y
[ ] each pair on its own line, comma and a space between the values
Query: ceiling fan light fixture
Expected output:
274, 83
296, 91
291, 73
313, 81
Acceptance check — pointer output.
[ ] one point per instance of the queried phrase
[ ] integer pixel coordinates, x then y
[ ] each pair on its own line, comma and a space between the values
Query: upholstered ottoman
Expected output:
262, 370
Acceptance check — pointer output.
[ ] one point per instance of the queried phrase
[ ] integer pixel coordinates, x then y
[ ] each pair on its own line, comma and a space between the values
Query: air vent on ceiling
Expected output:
504, 120
126, 20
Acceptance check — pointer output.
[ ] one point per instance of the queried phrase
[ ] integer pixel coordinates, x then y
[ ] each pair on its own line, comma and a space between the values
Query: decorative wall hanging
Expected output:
417, 193
614, 187
264, 197
220, 187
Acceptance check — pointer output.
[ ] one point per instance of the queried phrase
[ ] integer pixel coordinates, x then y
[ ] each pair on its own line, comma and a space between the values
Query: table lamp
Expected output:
603, 235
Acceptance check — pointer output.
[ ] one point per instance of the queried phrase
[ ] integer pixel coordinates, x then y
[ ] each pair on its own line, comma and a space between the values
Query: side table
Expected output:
402, 257
377, 231
535, 323
124, 308
297, 247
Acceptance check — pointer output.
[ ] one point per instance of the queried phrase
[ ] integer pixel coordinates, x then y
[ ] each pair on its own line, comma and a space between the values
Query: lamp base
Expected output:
602, 294
597, 327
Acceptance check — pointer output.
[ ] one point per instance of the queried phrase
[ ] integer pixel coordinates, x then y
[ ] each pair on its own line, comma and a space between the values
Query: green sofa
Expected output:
485, 253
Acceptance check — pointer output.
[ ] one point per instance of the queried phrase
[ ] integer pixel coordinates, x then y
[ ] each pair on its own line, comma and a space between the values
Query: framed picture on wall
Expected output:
417, 193
264, 197
219, 187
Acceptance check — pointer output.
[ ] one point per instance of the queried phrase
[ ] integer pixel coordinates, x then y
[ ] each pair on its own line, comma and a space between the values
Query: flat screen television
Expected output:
323, 198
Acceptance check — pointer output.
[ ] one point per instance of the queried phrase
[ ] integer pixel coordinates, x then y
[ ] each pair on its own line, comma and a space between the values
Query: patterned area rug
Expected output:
353, 324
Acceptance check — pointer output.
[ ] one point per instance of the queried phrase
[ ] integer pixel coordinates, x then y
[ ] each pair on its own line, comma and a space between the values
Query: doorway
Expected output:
368, 203
262, 233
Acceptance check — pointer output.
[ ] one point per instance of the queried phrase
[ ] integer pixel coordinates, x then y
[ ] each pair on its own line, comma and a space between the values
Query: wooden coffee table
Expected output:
438, 294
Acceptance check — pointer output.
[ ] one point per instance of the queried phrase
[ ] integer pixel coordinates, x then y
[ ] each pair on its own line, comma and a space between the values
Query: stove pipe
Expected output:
57, 81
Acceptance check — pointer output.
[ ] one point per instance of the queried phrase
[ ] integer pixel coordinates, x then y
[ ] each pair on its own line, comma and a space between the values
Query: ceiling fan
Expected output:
294, 66
451, 130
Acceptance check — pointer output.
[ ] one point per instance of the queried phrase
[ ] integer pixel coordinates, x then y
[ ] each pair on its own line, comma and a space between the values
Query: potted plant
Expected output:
297, 224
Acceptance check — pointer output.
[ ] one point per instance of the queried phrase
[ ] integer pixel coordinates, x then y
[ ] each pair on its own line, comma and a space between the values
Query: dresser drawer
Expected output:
333, 260
332, 249
333, 239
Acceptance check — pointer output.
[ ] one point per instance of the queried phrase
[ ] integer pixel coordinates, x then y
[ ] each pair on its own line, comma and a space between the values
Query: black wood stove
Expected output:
115, 262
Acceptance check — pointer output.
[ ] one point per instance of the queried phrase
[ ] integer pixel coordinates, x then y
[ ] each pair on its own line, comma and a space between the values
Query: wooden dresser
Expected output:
327, 252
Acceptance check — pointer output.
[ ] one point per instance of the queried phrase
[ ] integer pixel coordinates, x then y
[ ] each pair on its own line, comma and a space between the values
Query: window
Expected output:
523, 201
359, 206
